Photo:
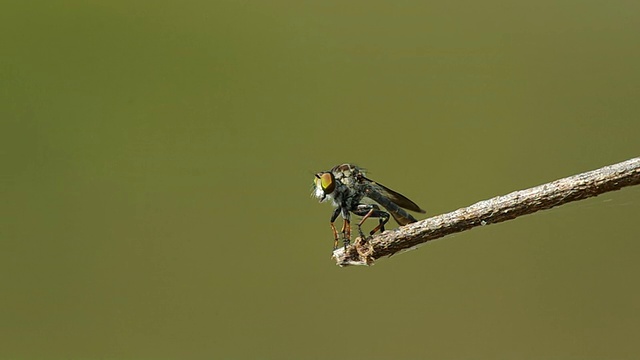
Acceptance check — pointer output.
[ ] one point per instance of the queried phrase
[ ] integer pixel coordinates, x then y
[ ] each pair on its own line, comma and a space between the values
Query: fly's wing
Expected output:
397, 198
393, 202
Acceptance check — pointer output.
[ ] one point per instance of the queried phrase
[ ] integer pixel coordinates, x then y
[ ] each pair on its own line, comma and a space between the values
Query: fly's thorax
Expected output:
348, 174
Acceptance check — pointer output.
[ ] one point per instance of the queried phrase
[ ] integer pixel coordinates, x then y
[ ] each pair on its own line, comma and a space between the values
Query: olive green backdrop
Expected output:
157, 161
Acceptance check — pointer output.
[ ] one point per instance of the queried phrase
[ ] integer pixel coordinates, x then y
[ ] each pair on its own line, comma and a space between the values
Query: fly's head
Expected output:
325, 185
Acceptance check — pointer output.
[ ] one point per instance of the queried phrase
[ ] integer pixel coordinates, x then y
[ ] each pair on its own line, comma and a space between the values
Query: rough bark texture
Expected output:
498, 209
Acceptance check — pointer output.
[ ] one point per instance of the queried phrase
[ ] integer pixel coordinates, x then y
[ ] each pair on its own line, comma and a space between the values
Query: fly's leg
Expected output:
371, 210
364, 210
384, 217
346, 227
335, 236
346, 232
334, 216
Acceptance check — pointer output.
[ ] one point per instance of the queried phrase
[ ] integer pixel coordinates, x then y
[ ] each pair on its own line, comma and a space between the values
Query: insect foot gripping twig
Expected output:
365, 249
359, 253
495, 210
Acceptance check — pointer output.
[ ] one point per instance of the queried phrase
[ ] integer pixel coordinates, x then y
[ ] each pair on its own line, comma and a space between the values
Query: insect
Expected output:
346, 186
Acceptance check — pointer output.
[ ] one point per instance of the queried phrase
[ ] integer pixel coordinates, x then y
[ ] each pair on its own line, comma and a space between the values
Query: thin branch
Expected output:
498, 209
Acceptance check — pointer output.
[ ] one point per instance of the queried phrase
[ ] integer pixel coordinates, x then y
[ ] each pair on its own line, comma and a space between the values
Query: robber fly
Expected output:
346, 185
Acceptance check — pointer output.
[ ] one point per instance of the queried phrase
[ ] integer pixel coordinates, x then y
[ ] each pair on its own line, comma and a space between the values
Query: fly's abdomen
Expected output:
399, 215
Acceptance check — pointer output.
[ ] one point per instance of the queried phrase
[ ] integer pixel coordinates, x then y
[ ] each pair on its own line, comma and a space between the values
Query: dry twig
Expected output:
498, 209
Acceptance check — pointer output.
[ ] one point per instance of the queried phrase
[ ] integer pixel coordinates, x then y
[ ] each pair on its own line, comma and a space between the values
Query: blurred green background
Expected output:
157, 160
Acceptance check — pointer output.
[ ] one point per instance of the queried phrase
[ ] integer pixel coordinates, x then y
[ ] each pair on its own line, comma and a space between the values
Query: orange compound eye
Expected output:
327, 182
